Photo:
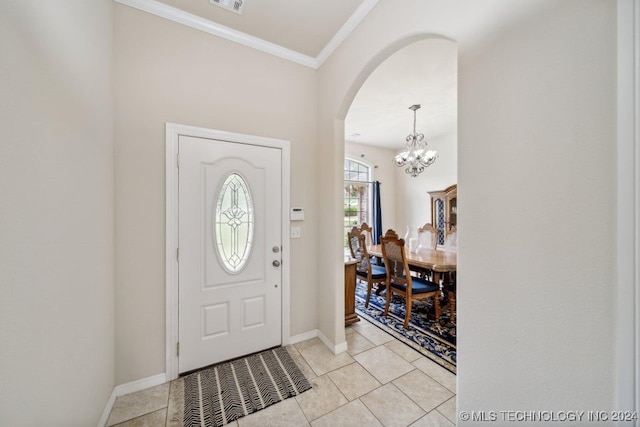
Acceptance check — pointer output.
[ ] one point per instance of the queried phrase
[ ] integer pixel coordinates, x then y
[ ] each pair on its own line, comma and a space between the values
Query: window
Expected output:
357, 195
234, 223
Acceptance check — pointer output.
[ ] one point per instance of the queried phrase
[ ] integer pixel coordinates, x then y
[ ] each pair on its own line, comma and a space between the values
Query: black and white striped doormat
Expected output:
223, 393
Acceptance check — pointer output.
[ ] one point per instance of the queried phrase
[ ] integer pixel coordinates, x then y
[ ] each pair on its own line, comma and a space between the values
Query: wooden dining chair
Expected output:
352, 239
366, 270
368, 233
400, 282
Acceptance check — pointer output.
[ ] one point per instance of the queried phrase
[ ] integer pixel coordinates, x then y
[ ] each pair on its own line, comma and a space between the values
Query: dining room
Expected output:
409, 102
379, 120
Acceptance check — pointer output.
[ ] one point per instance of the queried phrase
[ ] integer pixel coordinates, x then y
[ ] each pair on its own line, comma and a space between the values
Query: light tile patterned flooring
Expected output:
379, 381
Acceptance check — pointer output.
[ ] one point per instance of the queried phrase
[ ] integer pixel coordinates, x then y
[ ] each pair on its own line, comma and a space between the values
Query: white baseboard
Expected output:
141, 384
303, 336
336, 349
340, 348
107, 409
133, 386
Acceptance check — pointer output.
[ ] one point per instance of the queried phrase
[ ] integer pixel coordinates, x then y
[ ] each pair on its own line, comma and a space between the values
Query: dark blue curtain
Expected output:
377, 214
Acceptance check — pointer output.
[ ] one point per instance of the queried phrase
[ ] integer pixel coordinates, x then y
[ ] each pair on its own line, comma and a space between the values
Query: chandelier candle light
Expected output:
415, 155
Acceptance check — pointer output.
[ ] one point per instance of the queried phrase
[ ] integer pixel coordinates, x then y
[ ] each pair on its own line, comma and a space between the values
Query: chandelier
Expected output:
415, 155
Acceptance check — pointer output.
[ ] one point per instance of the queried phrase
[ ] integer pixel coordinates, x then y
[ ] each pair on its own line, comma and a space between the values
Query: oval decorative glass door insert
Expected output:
234, 223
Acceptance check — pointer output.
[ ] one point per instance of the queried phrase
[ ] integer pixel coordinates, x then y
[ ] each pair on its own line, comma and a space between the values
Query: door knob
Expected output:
276, 263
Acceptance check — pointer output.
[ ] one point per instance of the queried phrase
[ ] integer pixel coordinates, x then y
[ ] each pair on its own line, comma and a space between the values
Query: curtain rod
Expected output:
362, 182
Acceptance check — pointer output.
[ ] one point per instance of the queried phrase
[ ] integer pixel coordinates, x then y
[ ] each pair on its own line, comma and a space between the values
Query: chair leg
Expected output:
388, 302
452, 306
369, 288
407, 314
436, 304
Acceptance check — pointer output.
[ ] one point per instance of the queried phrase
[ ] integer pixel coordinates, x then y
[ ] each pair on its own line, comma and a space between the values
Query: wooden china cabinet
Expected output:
444, 210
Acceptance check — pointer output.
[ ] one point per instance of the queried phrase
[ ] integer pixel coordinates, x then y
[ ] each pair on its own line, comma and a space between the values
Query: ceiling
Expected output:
304, 26
424, 73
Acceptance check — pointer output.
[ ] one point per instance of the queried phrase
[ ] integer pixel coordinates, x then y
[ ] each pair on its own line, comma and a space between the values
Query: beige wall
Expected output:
536, 181
56, 212
537, 204
166, 72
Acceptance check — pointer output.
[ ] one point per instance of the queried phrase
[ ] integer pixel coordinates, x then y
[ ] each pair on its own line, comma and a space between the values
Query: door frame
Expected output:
627, 304
173, 133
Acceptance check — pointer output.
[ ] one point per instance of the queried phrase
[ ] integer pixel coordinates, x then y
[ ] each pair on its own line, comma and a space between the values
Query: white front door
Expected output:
230, 240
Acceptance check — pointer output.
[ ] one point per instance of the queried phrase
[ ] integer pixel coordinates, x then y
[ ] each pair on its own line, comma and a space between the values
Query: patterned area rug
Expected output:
434, 339
220, 394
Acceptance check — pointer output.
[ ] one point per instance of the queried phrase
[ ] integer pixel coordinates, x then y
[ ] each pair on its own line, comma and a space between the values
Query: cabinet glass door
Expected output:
440, 220
453, 212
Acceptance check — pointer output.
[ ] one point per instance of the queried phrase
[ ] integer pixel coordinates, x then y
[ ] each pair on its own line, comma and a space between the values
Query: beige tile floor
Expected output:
379, 381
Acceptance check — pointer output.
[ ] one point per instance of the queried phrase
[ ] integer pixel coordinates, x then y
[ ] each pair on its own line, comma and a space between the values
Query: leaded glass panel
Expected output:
234, 223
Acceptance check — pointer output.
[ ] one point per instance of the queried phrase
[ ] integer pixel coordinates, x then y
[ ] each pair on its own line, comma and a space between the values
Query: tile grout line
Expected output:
444, 415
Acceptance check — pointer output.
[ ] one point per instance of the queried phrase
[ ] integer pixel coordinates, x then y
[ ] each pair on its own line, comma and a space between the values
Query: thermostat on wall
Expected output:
297, 214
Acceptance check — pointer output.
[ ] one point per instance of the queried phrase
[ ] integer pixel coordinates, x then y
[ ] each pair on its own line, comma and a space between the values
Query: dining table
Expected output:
436, 260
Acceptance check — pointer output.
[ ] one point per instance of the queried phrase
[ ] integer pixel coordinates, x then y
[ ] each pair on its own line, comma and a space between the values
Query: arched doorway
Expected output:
508, 71
422, 72
378, 120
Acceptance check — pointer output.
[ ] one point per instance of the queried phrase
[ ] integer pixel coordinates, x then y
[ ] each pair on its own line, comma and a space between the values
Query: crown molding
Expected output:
353, 21
196, 22
181, 17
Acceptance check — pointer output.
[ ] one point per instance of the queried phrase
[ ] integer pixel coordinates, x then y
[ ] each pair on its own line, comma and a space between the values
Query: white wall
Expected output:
536, 144
56, 212
166, 72
537, 204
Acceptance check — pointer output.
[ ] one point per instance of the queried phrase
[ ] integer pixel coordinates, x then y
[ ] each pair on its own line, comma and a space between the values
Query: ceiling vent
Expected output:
232, 5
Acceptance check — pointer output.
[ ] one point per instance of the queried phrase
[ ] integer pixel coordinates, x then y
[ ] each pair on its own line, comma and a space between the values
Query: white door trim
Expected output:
173, 132
627, 308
